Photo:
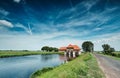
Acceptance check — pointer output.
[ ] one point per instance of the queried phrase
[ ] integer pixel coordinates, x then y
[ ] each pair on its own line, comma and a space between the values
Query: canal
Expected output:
24, 66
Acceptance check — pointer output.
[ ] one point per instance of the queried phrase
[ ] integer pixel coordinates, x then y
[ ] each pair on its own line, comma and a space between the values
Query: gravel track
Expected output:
109, 66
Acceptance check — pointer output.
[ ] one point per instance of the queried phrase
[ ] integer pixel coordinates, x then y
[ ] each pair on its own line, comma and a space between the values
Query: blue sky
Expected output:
31, 24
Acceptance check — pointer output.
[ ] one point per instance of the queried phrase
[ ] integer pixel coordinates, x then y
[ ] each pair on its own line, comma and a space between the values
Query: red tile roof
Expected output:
74, 47
62, 48
70, 46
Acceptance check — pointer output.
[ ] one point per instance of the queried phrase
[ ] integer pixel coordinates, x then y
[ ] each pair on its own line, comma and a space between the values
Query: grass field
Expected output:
114, 55
85, 66
23, 53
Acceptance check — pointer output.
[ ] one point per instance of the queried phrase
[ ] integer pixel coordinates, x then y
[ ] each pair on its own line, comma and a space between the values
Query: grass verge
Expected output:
113, 57
116, 54
39, 72
22, 53
85, 66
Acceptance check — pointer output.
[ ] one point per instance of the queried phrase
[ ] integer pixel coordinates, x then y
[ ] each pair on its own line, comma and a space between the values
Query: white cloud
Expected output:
89, 3
73, 19
4, 12
27, 29
106, 38
6, 23
112, 39
35, 42
17, 1
97, 29
32, 42
81, 16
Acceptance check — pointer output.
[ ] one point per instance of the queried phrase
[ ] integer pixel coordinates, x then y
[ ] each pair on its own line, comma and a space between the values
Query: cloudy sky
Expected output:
31, 24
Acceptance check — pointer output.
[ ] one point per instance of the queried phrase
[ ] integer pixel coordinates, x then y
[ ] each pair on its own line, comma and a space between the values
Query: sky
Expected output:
31, 24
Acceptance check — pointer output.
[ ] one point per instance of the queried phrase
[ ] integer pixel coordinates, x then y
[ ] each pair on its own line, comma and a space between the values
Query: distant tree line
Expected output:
107, 49
49, 49
88, 46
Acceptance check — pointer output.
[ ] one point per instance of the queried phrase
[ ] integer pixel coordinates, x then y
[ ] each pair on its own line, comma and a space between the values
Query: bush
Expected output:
39, 72
116, 54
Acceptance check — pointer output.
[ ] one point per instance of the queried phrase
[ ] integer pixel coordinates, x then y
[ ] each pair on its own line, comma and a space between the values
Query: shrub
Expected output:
116, 54
39, 72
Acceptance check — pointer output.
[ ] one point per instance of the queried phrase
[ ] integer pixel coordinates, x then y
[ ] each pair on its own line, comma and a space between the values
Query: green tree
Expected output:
88, 46
112, 49
51, 49
55, 49
45, 48
107, 49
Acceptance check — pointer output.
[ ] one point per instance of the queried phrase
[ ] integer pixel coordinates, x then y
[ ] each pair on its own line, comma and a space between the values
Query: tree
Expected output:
45, 48
107, 49
88, 46
55, 49
112, 49
50, 49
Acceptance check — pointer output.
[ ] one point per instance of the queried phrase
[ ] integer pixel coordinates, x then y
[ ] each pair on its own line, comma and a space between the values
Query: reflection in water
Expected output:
46, 57
66, 58
24, 66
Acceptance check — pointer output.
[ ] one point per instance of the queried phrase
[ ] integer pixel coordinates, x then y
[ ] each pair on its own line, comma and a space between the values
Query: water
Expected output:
24, 66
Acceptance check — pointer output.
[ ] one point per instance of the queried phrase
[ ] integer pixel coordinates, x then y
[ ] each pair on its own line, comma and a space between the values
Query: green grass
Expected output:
114, 55
116, 58
23, 53
39, 72
85, 66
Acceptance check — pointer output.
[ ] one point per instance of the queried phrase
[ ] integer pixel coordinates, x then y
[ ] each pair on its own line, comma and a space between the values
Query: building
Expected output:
71, 50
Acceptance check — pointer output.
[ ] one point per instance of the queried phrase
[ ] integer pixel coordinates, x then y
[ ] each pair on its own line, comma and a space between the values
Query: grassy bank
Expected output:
114, 55
23, 53
85, 66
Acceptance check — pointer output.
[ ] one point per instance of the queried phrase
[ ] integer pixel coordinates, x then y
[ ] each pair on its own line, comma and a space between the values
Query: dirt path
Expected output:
110, 67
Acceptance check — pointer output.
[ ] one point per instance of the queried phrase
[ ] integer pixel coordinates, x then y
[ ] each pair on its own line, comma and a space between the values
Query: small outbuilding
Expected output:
71, 50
